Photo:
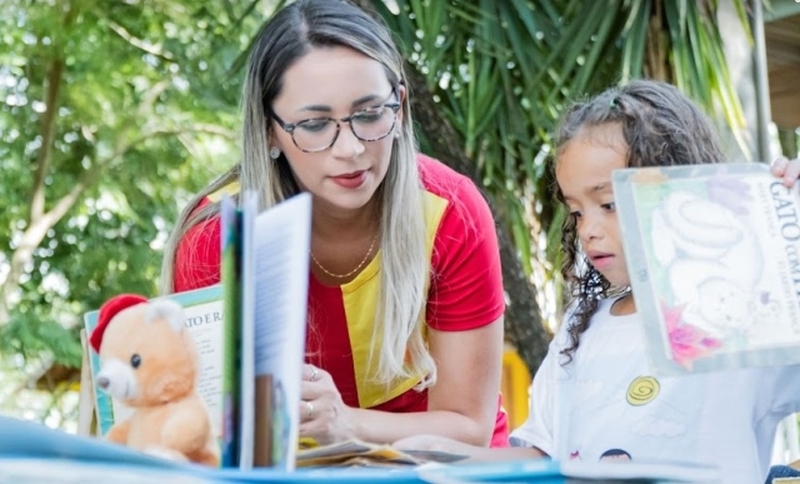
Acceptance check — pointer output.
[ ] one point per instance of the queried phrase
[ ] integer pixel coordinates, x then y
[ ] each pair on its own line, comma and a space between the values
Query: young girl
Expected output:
594, 395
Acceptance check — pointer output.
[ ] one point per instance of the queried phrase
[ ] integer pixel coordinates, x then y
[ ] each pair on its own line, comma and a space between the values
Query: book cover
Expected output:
713, 252
203, 315
230, 230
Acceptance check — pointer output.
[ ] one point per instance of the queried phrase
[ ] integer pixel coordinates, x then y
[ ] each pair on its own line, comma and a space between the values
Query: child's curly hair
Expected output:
661, 127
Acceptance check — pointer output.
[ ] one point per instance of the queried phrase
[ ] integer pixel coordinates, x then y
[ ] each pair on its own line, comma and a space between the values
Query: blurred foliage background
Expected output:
113, 113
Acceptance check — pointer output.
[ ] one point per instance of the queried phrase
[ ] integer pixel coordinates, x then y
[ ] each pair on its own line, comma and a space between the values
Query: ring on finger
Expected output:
309, 409
314, 373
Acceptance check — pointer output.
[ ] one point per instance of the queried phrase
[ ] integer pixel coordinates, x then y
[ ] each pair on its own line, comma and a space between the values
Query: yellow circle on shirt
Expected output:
643, 390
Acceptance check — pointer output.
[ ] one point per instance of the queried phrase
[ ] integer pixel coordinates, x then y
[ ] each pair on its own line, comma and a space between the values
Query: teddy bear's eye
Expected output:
136, 360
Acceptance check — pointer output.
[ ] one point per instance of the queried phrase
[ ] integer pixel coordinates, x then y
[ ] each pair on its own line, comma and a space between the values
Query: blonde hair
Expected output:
399, 347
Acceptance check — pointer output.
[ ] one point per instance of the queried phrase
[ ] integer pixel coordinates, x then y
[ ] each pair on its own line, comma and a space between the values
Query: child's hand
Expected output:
787, 170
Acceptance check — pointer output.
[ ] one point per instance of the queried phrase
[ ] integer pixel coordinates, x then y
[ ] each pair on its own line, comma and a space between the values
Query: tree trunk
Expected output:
523, 319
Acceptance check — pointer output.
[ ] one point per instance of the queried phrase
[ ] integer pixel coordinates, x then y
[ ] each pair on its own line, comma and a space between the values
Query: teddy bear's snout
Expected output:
117, 379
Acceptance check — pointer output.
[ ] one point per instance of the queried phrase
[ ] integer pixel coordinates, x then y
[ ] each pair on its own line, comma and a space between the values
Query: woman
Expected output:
405, 294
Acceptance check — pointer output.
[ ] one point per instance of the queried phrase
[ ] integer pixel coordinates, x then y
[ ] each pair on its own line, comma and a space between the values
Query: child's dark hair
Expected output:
661, 127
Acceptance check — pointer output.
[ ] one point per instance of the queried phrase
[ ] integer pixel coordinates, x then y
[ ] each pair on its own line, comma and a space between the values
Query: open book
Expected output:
250, 333
265, 275
714, 257
357, 453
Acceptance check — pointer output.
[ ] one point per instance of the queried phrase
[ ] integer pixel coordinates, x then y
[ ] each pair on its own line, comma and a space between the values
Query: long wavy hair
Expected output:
399, 349
661, 127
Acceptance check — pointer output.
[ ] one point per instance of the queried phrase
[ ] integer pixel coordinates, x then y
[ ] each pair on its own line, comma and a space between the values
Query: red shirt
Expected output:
465, 291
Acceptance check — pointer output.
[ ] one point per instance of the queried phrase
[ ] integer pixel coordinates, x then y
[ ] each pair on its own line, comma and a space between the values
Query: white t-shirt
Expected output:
607, 402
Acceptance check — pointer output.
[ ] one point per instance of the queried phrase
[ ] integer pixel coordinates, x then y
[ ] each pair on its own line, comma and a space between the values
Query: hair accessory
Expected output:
274, 153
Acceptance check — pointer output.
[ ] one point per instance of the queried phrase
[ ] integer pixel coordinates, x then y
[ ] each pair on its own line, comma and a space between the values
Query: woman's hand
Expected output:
323, 415
787, 170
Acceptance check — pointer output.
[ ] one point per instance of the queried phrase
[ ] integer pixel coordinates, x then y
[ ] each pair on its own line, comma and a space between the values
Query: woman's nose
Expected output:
347, 144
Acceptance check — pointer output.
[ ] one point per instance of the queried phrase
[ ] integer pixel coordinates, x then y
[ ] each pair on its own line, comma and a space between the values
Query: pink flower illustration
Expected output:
686, 341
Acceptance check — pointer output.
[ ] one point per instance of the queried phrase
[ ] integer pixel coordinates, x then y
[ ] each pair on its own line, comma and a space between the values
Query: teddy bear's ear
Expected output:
167, 309
108, 310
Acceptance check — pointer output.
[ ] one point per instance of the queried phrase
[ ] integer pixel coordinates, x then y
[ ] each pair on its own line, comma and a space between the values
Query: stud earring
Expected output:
274, 153
397, 134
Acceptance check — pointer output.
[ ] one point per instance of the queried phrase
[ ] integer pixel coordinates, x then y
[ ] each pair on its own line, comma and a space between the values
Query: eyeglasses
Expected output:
318, 134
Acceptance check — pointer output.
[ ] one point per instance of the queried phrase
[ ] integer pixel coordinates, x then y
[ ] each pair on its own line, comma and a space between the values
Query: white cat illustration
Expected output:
712, 260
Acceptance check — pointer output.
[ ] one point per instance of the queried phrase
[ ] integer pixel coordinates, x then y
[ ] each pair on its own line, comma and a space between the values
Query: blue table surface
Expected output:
31, 452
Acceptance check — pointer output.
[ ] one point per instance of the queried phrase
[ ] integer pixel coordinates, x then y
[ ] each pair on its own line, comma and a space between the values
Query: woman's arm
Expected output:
465, 329
464, 316
461, 405
534, 438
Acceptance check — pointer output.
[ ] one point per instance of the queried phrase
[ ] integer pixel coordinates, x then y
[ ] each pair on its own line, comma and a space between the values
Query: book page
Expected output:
275, 286
354, 452
714, 257
204, 320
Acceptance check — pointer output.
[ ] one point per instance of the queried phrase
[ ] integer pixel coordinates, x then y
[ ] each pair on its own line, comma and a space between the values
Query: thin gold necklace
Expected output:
358, 267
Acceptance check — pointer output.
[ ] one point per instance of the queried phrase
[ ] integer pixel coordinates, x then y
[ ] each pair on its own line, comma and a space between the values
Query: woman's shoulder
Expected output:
458, 190
204, 231
197, 257
440, 179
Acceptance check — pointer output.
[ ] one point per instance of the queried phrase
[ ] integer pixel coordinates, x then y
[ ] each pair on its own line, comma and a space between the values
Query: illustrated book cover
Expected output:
713, 252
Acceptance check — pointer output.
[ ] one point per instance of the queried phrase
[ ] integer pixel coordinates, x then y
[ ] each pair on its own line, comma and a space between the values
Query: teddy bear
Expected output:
149, 362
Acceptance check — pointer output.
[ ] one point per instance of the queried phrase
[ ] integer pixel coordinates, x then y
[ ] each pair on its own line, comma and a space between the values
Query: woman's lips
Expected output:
351, 180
